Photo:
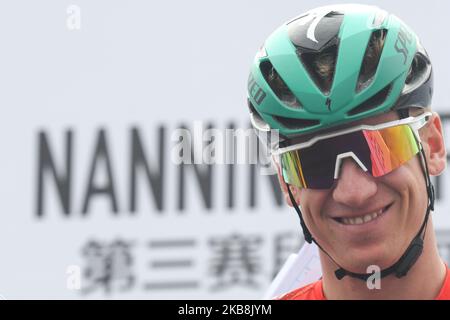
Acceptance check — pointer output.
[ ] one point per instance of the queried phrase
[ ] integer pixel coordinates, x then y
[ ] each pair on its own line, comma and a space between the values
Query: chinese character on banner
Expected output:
235, 261
108, 266
285, 243
181, 260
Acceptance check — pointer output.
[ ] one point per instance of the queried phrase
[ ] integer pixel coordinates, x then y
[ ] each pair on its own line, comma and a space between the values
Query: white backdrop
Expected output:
83, 101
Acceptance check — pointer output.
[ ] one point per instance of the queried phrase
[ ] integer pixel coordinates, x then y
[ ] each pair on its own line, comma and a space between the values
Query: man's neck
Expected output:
423, 281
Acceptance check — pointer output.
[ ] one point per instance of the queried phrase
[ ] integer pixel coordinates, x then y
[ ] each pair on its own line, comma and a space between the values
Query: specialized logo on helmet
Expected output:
315, 30
328, 103
255, 90
404, 38
315, 17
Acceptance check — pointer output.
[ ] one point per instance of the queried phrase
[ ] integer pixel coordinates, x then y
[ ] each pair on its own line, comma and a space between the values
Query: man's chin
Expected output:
359, 261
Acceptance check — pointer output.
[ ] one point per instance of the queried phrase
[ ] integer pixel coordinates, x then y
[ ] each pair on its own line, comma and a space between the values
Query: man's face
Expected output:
363, 220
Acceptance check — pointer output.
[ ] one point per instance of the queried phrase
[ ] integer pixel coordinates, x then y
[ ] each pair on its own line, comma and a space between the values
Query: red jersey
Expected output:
314, 291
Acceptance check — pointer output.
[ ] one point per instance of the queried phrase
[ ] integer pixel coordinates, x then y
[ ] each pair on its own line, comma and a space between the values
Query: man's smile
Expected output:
362, 218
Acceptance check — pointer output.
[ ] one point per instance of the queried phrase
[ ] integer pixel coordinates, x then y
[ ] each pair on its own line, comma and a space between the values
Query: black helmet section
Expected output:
315, 37
418, 89
314, 32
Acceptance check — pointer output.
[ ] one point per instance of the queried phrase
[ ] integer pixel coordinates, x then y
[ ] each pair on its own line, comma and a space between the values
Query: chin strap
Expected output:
409, 257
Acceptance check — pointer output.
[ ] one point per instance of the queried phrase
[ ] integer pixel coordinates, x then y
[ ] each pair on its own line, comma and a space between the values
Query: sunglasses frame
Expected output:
415, 123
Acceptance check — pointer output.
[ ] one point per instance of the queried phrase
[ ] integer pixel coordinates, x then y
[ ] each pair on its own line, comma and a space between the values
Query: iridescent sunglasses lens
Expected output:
378, 152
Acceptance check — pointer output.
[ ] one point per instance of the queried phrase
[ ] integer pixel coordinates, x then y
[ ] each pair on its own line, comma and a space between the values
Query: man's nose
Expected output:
354, 187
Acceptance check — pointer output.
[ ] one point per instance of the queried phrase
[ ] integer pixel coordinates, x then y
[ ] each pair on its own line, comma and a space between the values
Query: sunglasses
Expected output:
377, 149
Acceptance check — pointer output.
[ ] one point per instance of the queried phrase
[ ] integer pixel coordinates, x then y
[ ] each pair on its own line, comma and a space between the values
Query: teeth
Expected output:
358, 220
364, 219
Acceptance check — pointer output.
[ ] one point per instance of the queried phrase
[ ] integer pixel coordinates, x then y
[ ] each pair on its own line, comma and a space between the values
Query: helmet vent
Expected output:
419, 72
320, 65
255, 118
373, 102
291, 123
278, 86
371, 59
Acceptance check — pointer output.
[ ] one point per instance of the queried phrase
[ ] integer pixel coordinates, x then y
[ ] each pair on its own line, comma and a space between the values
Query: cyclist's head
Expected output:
334, 65
317, 79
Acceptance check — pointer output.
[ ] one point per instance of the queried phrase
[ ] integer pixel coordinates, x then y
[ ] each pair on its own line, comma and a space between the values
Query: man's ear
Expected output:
283, 185
434, 145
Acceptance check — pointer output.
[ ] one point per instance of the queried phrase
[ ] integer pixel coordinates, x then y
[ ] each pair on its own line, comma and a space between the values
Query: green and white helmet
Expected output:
334, 65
